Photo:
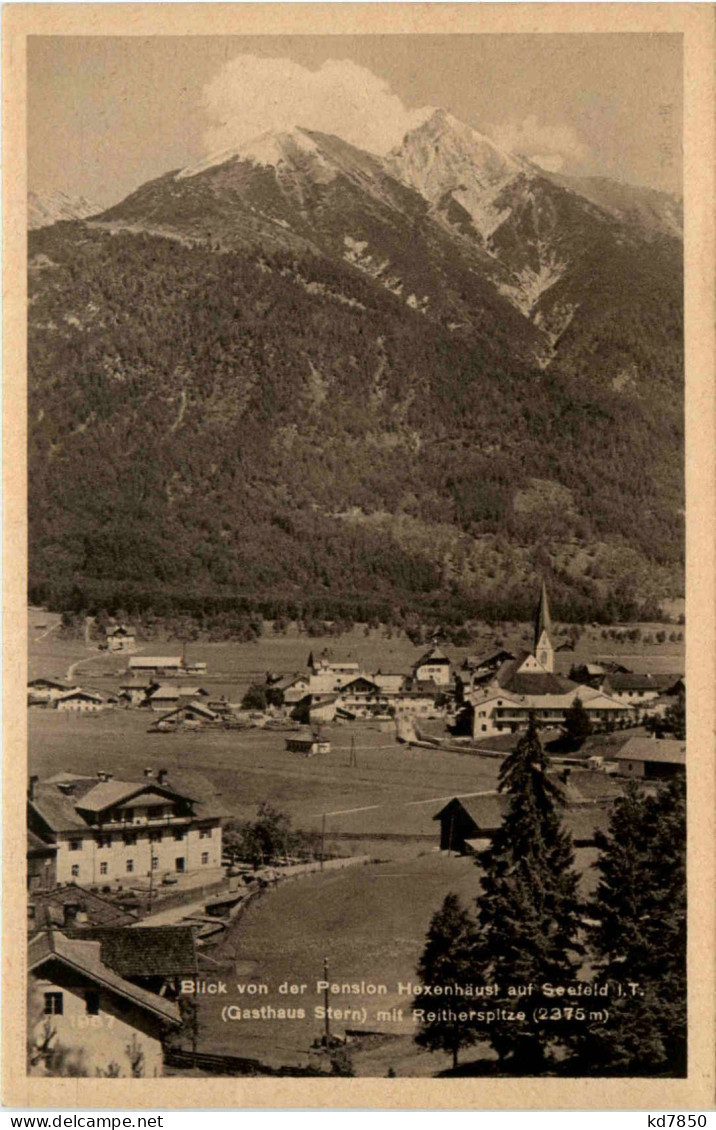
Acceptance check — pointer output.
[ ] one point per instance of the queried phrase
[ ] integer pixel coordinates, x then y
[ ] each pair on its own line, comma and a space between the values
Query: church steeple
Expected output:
544, 650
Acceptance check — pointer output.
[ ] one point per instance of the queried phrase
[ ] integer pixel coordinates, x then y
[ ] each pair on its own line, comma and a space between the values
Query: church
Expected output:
527, 684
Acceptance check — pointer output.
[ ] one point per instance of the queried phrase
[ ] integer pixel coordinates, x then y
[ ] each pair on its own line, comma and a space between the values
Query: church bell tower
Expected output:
544, 649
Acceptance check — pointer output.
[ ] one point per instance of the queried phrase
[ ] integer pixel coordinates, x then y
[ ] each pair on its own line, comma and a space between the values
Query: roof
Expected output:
63, 812
487, 657
156, 661
166, 691
48, 683
434, 655
197, 707
78, 693
629, 682
146, 951
486, 812
357, 681
49, 905
510, 678
37, 846
84, 957
667, 751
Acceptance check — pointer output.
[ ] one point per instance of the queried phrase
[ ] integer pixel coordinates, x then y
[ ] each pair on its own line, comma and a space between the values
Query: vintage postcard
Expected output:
359, 555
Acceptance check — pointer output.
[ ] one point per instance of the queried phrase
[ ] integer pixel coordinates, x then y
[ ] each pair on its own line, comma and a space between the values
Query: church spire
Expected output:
543, 620
544, 650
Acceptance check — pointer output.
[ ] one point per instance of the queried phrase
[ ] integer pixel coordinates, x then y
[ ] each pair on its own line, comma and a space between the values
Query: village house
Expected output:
158, 665
637, 690
108, 830
47, 690
652, 759
314, 709
308, 745
363, 698
85, 1015
155, 958
80, 701
390, 683
434, 667
119, 638
134, 692
188, 714
468, 824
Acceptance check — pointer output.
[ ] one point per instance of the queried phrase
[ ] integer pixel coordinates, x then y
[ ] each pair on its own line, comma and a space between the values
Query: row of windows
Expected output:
129, 865
131, 838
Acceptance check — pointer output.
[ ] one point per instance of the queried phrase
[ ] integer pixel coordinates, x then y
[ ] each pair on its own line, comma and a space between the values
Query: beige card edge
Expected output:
696, 23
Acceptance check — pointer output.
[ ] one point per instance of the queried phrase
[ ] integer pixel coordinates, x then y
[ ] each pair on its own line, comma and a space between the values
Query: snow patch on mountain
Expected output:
270, 149
45, 208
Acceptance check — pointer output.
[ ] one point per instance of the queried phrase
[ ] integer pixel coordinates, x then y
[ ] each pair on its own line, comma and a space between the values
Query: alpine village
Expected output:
356, 682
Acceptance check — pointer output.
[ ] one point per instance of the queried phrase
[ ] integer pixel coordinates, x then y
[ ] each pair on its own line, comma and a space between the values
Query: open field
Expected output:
370, 922
393, 788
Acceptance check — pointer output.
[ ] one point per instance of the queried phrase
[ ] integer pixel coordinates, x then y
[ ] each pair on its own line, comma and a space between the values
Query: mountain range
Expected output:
411, 377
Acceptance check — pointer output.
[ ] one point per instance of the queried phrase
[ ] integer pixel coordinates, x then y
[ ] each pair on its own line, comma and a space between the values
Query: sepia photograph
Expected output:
356, 590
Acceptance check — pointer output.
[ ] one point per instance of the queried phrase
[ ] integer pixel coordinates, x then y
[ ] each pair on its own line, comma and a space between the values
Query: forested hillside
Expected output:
273, 429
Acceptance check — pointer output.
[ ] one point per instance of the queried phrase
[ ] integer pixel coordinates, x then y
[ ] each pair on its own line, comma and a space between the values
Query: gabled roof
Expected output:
197, 707
77, 692
107, 794
49, 905
84, 958
511, 679
164, 690
434, 655
357, 681
37, 846
487, 658
48, 683
486, 811
664, 750
146, 951
620, 682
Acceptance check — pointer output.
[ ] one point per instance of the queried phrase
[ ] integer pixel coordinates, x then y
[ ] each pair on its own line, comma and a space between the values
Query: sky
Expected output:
106, 114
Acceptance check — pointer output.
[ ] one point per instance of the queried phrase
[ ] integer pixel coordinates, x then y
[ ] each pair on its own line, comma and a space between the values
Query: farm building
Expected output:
47, 689
187, 712
652, 759
107, 830
136, 691
308, 745
153, 957
467, 825
637, 690
97, 1016
80, 701
157, 664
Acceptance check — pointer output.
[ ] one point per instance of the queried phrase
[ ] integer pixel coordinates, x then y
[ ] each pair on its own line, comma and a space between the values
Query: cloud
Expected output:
251, 95
551, 146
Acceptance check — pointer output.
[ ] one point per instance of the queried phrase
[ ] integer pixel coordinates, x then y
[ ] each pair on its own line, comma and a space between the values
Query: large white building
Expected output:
107, 831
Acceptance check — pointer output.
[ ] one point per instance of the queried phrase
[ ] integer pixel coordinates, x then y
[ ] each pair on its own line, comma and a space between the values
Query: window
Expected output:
75, 845
92, 1002
130, 865
53, 1004
130, 837
178, 835
104, 841
155, 837
155, 863
75, 870
205, 857
103, 868
205, 834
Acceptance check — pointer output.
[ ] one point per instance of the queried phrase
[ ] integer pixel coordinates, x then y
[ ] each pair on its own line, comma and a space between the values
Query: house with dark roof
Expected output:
467, 824
79, 701
652, 759
69, 908
107, 830
188, 714
120, 638
434, 667
637, 690
154, 957
85, 1015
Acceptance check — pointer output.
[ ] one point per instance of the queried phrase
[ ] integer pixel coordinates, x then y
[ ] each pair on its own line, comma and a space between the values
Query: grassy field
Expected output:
392, 788
370, 922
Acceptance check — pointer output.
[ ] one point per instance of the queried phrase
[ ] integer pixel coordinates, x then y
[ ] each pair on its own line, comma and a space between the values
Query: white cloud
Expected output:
251, 95
551, 146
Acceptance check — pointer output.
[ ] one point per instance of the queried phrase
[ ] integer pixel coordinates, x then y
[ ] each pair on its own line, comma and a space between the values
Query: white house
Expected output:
108, 830
84, 1015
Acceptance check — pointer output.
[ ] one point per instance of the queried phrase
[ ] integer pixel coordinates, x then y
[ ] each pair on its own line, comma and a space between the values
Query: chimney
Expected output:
149, 772
162, 776
31, 787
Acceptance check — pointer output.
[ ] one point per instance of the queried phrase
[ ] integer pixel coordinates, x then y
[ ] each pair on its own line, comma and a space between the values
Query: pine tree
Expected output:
577, 725
528, 909
448, 959
639, 940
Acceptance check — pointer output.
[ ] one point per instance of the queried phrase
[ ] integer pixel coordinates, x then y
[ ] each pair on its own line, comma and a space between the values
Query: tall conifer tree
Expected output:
447, 961
639, 937
528, 910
